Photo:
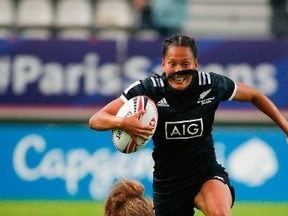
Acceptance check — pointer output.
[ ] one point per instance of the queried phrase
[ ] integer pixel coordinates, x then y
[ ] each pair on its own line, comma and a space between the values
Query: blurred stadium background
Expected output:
83, 19
61, 60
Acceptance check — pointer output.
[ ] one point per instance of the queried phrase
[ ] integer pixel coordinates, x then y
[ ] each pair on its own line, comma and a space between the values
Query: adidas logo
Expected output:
162, 103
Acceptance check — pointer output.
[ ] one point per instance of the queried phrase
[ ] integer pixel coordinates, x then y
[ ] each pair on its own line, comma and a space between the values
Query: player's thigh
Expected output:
214, 195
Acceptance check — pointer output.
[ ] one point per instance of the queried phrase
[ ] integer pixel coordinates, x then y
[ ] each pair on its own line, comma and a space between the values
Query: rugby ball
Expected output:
122, 140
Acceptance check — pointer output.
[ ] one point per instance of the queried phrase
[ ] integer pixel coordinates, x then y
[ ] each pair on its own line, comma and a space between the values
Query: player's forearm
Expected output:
104, 121
264, 104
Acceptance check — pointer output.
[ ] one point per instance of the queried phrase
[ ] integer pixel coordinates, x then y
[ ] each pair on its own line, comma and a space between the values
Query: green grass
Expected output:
85, 208
50, 208
258, 209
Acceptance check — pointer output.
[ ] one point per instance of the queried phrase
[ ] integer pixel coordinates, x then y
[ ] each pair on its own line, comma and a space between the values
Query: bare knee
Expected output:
216, 210
219, 211
214, 199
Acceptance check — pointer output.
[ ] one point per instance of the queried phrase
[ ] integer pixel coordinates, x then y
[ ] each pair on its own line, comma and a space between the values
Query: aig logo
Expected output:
184, 129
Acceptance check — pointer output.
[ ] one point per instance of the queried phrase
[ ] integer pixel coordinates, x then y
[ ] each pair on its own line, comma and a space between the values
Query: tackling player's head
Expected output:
126, 198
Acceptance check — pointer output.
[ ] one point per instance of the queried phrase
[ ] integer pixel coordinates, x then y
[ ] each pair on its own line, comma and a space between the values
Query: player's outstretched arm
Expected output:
248, 94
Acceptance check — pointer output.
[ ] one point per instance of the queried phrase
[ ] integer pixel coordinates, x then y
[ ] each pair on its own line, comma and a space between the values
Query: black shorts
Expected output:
182, 202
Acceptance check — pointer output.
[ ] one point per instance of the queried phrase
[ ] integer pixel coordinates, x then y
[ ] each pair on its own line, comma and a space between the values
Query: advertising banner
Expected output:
262, 64
40, 161
91, 73
58, 73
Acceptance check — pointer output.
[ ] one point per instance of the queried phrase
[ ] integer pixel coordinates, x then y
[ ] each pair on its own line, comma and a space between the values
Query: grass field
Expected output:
87, 208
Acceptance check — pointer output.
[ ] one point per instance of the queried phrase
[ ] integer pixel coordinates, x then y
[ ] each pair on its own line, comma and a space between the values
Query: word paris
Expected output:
90, 76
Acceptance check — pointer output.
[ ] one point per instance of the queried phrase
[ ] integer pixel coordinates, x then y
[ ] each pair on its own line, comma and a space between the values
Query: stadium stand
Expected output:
226, 18
107, 18
279, 21
7, 17
74, 18
114, 19
34, 18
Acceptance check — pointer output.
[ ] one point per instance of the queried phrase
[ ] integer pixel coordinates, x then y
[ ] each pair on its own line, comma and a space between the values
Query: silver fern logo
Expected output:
202, 97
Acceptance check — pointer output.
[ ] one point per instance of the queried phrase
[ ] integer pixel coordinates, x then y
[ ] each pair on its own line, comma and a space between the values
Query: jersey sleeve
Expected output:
140, 87
226, 87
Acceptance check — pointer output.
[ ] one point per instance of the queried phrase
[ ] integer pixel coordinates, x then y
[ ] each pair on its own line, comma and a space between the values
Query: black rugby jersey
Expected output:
183, 143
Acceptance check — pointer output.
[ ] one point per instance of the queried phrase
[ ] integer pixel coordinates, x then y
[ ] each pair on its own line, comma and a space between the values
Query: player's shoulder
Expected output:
207, 78
156, 81
148, 86
204, 78
153, 82
223, 84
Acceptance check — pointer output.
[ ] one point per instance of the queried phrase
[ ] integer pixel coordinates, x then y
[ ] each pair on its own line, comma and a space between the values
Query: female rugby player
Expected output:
186, 174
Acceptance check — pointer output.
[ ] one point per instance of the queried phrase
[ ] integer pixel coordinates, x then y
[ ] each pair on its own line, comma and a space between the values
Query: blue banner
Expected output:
41, 161
91, 73
58, 73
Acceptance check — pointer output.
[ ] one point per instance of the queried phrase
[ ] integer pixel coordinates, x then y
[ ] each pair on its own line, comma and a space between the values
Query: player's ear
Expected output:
163, 63
196, 63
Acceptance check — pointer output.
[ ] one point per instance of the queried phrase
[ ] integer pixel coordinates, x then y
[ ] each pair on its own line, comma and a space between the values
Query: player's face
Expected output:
179, 58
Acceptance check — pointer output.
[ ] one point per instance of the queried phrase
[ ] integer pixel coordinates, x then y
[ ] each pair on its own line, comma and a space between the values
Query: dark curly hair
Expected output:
126, 198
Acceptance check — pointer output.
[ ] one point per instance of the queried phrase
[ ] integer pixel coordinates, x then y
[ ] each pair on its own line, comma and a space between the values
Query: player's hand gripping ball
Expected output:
122, 140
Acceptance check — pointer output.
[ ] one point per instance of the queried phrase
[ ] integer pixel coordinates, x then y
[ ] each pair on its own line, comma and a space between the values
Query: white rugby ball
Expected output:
122, 140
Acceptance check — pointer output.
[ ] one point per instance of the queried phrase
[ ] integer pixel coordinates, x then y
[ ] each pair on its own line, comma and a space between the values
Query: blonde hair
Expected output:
127, 198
